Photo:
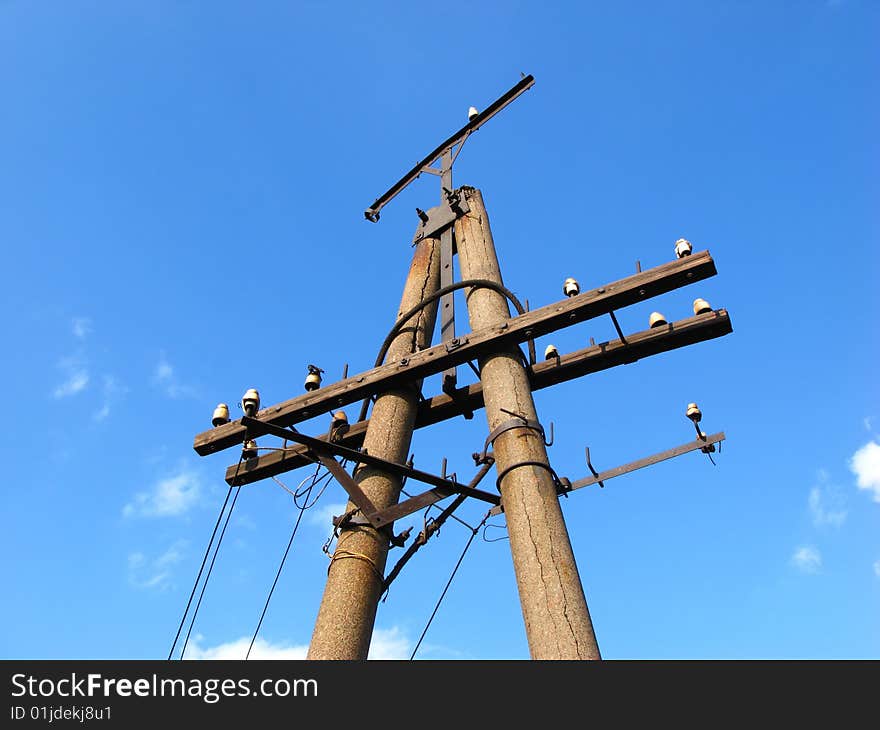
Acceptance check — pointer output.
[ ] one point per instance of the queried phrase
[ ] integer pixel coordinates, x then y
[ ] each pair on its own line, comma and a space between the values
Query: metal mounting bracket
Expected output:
511, 423
436, 219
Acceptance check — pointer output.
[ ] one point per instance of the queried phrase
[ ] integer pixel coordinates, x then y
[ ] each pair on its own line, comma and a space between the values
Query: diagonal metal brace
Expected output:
256, 428
355, 493
444, 487
433, 527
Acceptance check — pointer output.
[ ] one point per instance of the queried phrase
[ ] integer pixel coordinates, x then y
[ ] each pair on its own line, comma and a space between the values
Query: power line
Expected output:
204, 560
474, 532
210, 570
275, 582
302, 508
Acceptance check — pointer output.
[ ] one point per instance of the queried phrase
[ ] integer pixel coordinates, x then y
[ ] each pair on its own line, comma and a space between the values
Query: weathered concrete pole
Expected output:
345, 620
557, 619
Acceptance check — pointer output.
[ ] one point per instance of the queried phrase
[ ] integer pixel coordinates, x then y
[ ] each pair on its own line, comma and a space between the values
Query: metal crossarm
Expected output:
424, 165
538, 322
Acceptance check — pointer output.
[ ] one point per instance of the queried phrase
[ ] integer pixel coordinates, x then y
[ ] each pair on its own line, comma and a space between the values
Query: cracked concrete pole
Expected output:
557, 619
345, 620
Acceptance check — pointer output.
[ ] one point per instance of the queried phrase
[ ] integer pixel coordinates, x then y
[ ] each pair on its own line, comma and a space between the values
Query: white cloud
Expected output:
832, 515
322, 516
169, 497
165, 378
164, 371
76, 374
111, 392
390, 644
76, 383
155, 574
865, 464
807, 559
172, 555
877, 568
81, 327
387, 644
238, 650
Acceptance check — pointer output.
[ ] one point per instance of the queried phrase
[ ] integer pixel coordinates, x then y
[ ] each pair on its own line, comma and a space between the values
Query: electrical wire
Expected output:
315, 479
448, 583
406, 316
210, 570
300, 492
326, 478
204, 560
284, 486
275, 582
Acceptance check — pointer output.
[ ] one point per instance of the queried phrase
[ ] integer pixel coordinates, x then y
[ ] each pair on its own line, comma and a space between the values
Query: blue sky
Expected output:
181, 198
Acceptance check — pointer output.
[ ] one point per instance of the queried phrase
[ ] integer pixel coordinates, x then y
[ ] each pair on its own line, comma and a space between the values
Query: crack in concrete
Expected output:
414, 344
534, 542
564, 593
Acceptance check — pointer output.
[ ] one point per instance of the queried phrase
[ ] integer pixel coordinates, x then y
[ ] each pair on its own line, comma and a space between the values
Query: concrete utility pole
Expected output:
345, 620
557, 619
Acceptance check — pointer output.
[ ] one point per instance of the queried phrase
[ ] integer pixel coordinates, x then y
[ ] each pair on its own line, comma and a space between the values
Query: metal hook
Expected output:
409, 463
592, 470
497, 527
552, 436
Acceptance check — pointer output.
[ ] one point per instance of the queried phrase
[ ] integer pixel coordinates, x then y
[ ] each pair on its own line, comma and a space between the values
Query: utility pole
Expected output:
557, 619
345, 620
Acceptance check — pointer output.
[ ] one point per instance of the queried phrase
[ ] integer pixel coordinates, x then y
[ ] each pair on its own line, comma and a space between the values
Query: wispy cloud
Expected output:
111, 391
877, 568
81, 327
165, 378
390, 644
76, 376
322, 516
238, 650
826, 503
868, 422
387, 644
75, 383
865, 464
169, 497
807, 559
154, 574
